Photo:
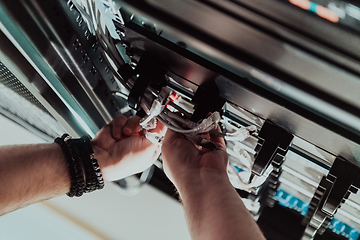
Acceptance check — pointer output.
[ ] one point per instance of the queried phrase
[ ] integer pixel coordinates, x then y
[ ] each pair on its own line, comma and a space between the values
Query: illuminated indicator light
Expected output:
319, 10
304, 4
327, 13
312, 7
174, 96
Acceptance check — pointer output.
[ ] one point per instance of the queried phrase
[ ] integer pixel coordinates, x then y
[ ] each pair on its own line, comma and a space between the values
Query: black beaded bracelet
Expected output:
94, 179
78, 178
75, 166
80, 158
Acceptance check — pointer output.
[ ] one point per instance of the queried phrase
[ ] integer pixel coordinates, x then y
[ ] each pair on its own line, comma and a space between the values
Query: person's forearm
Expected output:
214, 210
31, 173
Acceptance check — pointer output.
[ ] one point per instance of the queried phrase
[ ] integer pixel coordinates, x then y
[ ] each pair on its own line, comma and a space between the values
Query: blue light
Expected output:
343, 229
239, 169
287, 200
313, 7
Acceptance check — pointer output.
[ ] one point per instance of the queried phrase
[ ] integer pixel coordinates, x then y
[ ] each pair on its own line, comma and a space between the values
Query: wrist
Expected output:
85, 174
99, 154
102, 158
201, 181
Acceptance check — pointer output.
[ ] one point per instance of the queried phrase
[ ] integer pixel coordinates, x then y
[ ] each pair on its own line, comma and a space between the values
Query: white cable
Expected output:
186, 122
240, 134
170, 126
256, 182
206, 125
154, 111
169, 120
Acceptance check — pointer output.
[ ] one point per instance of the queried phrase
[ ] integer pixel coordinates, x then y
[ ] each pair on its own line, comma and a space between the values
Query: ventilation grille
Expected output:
10, 81
18, 101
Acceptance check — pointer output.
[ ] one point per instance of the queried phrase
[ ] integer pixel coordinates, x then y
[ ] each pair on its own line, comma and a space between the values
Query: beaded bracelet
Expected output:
75, 167
80, 158
78, 178
94, 179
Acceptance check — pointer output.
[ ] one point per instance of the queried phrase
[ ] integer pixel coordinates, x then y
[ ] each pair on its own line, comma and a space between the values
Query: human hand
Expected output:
122, 149
183, 161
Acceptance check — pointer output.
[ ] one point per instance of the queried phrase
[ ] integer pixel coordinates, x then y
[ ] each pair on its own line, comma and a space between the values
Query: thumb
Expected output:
171, 136
175, 143
218, 141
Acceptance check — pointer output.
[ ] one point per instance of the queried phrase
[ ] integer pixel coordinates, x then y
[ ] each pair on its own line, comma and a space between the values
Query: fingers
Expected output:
176, 145
103, 138
117, 126
171, 136
218, 141
104, 131
160, 128
132, 126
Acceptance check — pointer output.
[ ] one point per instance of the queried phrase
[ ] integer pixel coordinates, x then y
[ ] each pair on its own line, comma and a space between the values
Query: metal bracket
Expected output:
333, 190
271, 148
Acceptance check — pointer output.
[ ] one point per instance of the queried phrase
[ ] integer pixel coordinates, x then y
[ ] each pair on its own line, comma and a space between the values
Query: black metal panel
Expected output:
191, 70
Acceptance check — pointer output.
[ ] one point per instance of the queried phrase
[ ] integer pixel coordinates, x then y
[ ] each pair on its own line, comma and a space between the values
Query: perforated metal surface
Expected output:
10, 81
20, 105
